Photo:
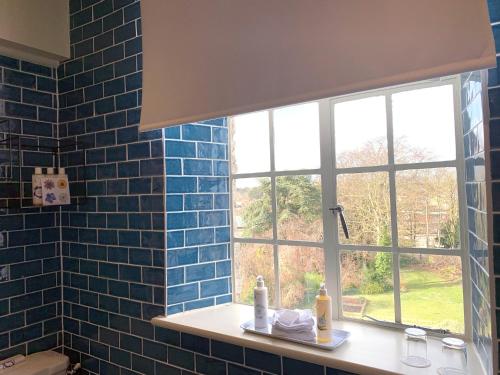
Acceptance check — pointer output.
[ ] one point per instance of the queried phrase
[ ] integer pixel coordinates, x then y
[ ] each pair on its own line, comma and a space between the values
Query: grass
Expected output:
426, 299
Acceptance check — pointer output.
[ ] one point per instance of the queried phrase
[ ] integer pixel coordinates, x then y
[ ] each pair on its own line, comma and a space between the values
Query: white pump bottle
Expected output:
260, 303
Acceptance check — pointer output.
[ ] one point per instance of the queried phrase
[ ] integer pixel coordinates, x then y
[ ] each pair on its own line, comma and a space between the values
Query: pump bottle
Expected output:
260, 303
323, 310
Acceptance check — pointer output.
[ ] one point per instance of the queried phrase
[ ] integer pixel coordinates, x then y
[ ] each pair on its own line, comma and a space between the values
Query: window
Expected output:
389, 157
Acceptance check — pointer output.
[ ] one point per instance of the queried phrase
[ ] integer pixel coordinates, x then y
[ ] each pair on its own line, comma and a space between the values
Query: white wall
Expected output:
35, 30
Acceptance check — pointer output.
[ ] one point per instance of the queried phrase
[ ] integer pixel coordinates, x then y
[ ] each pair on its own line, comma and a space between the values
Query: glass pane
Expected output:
252, 213
365, 197
250, 261
250, 143
361, 132
431, 291
296, 137
299, 208
302, 270
367, 287
424, 125
427, 208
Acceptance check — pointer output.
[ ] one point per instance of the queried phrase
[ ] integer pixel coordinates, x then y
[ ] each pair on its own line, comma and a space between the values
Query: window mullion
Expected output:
274, 209
331, 248
394, 219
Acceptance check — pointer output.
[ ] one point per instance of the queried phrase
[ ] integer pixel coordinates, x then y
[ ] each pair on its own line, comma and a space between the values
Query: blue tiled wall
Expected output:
198, 263
493, 143
30, 301
113, 240
113, 243
476, 192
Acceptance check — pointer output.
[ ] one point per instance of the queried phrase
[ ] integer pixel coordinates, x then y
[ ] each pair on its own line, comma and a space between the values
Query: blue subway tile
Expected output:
200, 272
175, 239
120, 357
296, 367
129, 238
175, 276
141, 292
103, 40
199, 237
182, 358
19, 78
125, 32
182, 293
197, 167
151, 167
180, 149
139, 150
211, 151
20, 110
128, 169
212, 218
263, 360
196, 133
213, 252
181, 184
125, 66
182, 256
10, 93
181, 220
214, 287
126, 101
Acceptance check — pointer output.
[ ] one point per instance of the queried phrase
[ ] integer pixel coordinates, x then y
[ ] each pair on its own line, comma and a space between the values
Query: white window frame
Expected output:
329, 172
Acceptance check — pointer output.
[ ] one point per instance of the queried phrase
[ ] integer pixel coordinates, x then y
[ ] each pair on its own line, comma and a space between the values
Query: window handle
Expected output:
340, 211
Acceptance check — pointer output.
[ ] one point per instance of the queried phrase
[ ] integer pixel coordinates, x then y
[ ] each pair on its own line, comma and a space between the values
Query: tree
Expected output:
298, 200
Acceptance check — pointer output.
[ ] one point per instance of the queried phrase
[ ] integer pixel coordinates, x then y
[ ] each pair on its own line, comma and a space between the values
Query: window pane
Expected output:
252, 214
365, 197
431, 291
361, 132
367, 288
302, 270
299, 208
296, 137
250, 143
427, 208
424, 125
250, 261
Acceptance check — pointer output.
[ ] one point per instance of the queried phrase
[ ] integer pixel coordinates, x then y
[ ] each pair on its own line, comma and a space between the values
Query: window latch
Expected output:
340, 211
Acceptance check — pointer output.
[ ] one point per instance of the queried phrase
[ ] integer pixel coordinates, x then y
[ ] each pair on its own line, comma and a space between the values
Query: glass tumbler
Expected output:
455, 357
415, 348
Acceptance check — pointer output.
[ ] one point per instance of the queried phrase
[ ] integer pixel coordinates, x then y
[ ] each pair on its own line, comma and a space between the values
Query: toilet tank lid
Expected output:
42, 363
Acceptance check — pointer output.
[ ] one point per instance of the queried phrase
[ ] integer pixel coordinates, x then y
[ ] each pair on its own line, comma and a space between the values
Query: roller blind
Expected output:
210, 58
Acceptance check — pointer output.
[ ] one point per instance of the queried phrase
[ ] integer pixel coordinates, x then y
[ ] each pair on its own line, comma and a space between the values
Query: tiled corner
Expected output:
197, 216
30, 293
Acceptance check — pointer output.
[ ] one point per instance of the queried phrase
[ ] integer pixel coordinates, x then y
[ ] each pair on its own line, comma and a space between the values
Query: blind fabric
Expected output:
206, 59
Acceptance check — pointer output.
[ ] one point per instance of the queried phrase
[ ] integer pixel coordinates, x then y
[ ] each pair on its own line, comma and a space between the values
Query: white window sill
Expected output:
370, 349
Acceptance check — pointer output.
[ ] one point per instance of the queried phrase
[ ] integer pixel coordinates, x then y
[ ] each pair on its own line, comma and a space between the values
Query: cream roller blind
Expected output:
210, 58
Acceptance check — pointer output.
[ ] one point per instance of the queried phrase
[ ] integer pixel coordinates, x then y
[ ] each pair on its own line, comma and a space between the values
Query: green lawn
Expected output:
426, 300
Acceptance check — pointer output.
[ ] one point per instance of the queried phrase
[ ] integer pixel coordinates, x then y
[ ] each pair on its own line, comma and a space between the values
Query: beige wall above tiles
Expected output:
35, 30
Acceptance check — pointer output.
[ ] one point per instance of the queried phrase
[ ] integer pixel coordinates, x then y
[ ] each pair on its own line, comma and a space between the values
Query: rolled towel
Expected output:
293, 320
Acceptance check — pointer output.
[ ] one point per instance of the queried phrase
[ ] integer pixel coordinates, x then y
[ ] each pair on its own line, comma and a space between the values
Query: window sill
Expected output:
370, 348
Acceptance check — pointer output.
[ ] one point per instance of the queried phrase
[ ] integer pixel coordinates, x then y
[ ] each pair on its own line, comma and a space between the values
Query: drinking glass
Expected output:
455, 357
415, 348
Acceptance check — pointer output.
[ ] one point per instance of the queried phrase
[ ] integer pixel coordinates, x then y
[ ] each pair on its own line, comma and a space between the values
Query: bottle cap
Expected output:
60, 170
38, 170
260, 281
50, 170
322, 289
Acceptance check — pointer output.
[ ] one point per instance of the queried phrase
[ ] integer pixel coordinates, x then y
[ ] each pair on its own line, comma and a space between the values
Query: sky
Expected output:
423, 117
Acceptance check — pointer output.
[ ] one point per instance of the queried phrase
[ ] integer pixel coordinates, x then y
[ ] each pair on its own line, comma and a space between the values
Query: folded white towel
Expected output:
304, 335
293, 320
